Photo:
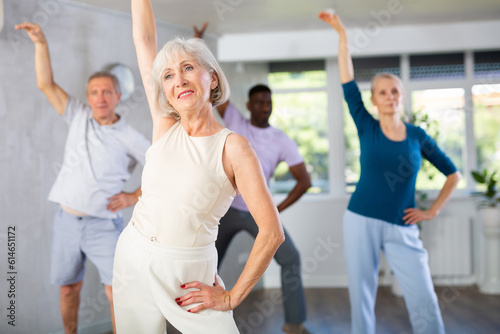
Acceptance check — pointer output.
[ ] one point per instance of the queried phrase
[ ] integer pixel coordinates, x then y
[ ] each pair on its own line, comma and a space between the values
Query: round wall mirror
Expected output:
125, 77
1, 15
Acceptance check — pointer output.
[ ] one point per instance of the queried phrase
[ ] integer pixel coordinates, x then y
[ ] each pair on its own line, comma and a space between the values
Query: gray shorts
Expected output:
74, 238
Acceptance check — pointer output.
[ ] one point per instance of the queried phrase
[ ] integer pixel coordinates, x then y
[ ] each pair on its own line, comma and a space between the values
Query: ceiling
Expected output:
255, 16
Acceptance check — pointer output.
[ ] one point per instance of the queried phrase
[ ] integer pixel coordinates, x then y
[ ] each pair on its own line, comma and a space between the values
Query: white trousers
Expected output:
364, 238
146, 280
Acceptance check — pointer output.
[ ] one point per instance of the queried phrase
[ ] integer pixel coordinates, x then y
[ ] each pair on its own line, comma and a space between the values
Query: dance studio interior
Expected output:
447, 55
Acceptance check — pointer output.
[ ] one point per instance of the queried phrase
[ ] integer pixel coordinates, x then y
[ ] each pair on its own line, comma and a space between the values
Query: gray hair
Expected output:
105, 74
190, 48
386, 75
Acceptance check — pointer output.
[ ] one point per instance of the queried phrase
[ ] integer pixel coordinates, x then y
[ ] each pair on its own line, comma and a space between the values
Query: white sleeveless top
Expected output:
185, 190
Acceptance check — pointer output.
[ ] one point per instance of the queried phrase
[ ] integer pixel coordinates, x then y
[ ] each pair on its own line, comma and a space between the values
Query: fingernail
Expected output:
189, 311
177, 299
182, 286
178, 303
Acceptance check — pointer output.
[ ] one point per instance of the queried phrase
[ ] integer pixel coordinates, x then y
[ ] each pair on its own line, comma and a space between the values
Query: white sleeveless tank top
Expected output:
185, 190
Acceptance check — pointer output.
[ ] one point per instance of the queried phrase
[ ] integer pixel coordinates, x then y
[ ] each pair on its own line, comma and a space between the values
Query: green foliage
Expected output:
490, 181
487, 134
303, 116
440, 112
297, 80
421, 119
431, 126
352, 169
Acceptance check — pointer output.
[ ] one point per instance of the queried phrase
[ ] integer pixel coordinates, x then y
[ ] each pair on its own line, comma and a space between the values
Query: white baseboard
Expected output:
326, 281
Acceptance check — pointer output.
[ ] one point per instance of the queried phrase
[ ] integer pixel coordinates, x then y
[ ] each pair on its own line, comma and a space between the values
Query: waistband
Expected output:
167, 250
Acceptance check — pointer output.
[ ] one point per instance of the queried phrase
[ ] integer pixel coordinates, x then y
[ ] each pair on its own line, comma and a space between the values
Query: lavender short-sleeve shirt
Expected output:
271, 145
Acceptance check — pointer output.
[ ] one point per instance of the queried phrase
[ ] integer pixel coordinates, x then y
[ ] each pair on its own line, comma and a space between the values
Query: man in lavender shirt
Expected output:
271, 146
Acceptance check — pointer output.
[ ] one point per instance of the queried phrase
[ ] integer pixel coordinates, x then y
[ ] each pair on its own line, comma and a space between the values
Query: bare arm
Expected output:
300, 173
245, 170
250, 181
44, 78
144, 34
344, 58
413, 215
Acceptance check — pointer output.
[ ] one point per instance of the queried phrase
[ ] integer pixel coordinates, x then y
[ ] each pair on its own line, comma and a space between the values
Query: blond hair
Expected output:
386, 75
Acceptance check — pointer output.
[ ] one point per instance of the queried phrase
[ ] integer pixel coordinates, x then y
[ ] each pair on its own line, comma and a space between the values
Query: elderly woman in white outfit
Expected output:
165, 262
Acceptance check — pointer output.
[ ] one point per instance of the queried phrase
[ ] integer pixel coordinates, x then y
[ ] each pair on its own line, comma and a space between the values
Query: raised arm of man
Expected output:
44, 78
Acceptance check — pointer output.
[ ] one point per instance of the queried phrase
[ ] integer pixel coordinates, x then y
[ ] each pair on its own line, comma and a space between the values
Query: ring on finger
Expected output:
202, 307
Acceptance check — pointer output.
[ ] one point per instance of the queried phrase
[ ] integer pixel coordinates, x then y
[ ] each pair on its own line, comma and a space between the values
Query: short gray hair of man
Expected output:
104, 74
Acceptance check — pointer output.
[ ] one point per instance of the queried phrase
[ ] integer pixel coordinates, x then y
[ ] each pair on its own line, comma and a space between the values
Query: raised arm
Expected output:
198, 33
44, 78
344, 57
352, 95
144, 34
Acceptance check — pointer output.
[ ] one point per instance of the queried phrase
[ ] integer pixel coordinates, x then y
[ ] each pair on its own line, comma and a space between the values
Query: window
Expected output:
444, 110
486, 101
352, 168
487, 64
440, 91
366, 68
300, 109
437, 67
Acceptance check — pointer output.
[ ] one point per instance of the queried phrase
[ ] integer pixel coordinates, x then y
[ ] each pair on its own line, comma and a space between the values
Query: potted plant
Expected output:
490, 198
489, 209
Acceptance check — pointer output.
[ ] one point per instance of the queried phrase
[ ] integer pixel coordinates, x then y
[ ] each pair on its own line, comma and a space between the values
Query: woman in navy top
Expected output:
381, 214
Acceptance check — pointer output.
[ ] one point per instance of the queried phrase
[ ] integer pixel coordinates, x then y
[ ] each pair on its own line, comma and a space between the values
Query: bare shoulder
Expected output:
161, 125
238, 147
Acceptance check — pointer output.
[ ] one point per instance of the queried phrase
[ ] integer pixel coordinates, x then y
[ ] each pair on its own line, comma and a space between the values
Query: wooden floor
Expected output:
464, 309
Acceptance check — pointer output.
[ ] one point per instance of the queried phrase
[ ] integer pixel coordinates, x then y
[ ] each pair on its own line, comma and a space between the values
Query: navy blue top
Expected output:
389, 168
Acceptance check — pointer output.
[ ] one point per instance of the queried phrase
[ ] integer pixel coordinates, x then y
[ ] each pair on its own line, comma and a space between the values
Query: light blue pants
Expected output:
364, 237
76, 238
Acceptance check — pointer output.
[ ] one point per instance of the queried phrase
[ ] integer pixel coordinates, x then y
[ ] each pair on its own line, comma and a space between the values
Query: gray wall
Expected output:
82, 40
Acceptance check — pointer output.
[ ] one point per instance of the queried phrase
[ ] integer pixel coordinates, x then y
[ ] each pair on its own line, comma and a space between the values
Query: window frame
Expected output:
337, 150
281, 196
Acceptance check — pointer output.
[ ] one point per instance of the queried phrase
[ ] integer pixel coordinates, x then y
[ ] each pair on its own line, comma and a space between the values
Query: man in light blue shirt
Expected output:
100, 154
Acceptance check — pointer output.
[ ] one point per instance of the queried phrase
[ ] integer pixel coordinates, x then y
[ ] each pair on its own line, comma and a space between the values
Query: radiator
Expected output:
448, 240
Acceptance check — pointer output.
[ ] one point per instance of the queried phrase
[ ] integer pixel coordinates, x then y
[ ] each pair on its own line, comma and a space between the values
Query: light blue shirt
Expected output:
98, 160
